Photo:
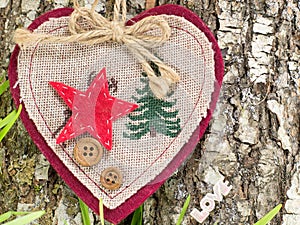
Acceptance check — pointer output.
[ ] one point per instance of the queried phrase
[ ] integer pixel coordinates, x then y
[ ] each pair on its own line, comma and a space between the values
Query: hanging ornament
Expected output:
116, 106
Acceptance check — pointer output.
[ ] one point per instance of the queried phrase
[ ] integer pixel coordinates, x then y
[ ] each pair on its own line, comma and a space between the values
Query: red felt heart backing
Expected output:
119, 213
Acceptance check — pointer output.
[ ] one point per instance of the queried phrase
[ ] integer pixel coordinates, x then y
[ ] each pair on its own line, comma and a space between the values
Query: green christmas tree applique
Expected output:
152, 116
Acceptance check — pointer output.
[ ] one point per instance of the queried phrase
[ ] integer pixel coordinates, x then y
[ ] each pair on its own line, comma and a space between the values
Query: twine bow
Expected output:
137, 38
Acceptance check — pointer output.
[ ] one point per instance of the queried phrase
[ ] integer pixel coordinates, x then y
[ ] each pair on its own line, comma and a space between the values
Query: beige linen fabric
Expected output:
188, 51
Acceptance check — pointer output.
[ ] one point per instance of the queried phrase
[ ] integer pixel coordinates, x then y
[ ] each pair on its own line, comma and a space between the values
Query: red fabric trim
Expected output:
118, 214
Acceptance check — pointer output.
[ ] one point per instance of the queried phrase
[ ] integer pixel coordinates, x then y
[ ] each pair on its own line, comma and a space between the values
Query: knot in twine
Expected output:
100, 30
117, 31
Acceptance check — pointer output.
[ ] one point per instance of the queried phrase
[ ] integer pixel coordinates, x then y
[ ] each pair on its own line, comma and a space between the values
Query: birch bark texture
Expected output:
252, 141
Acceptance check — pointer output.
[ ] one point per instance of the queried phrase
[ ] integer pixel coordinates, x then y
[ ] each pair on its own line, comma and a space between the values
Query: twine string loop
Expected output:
138, 38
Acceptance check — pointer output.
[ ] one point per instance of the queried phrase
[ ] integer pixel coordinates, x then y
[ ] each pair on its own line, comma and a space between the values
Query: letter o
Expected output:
207, 204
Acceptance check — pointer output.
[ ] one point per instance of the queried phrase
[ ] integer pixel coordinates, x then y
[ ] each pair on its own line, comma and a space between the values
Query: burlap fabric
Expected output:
188, 52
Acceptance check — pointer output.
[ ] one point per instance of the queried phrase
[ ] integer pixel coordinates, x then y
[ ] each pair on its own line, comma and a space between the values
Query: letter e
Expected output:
224, 187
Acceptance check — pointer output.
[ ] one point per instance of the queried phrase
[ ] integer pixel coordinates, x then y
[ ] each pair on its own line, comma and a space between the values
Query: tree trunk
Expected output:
253, 139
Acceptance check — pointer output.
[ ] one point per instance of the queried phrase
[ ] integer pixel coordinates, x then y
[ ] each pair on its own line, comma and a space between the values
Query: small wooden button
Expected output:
111, 178
88, 151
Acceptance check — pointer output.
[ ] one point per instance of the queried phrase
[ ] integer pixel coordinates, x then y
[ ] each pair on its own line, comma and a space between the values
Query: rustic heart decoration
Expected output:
79, 98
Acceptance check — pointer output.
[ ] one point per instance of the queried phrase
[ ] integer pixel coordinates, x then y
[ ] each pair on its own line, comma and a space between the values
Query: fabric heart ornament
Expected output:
115, 120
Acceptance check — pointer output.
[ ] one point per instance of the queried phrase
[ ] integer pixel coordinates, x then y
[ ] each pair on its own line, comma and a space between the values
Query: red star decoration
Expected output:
93, 111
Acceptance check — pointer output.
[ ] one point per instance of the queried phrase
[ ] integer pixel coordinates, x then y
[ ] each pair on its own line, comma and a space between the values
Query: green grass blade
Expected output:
5, 216
8, 214
4, 86
183, 211
4, 131
101, 214
8, 118
269, 216
26, 219
2, 77
84, 213
137, 218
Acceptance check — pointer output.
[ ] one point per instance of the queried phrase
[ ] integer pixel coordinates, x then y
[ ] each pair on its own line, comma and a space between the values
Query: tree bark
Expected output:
252, 141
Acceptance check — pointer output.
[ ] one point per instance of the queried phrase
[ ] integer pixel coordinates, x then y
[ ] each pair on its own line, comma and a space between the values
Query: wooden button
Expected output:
111, 178
88, 151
